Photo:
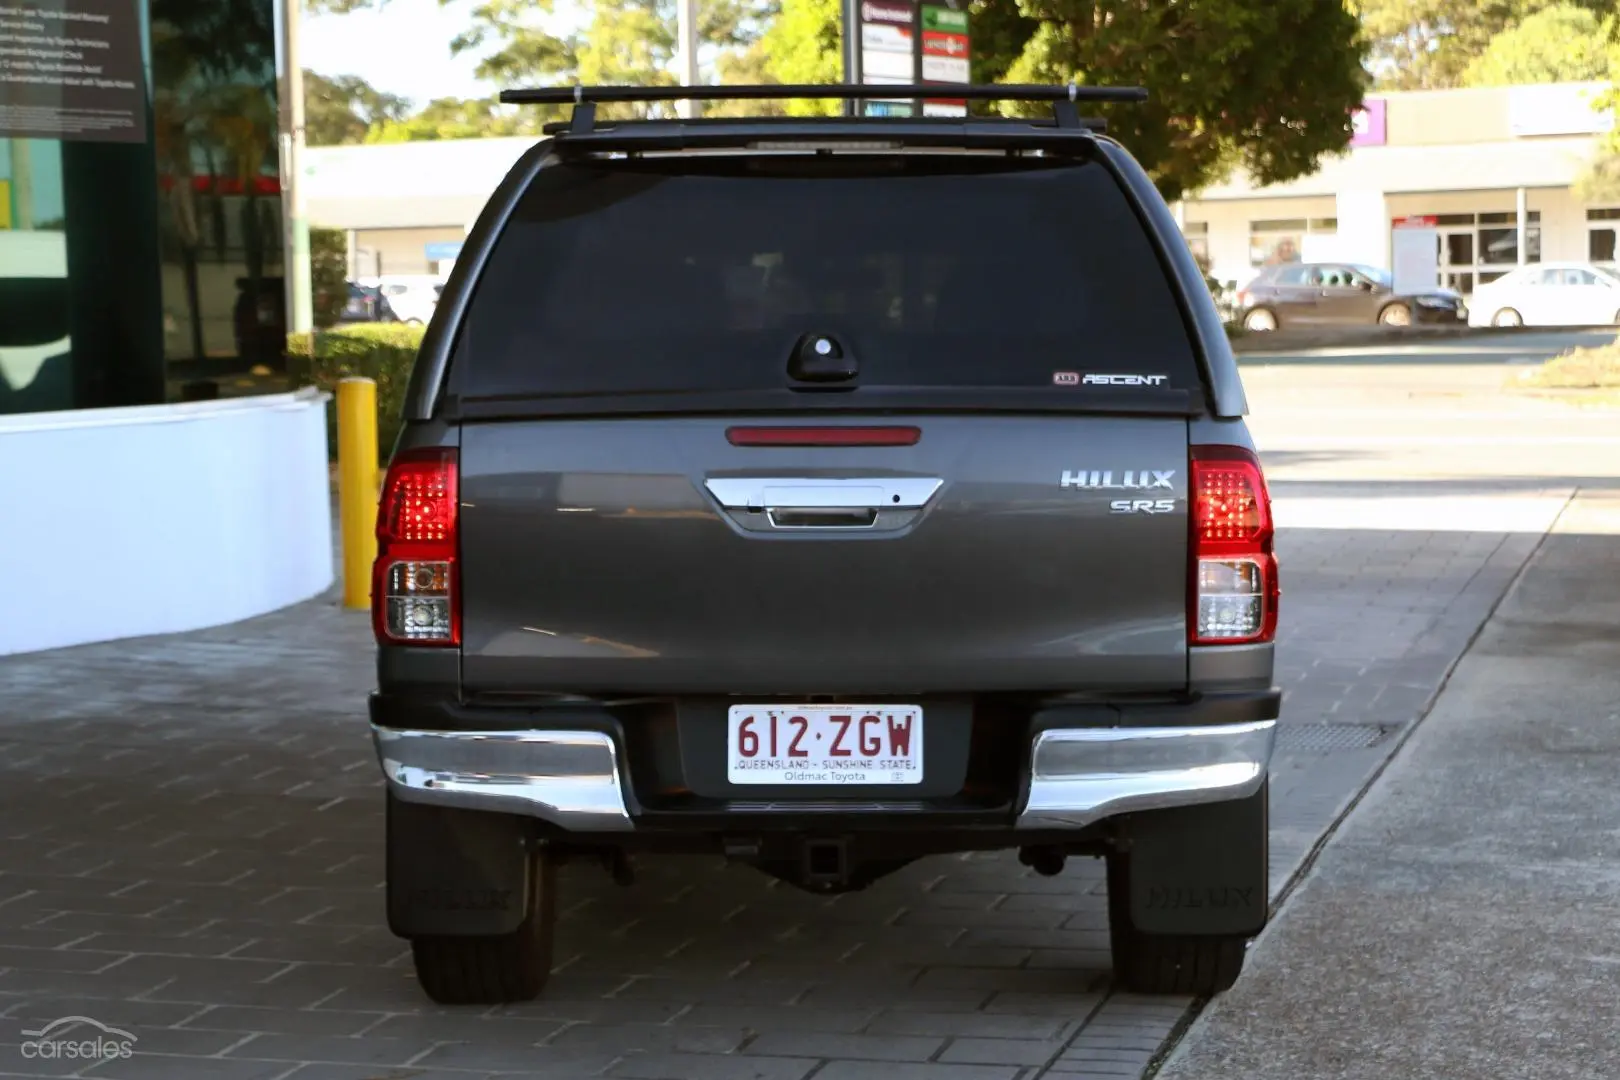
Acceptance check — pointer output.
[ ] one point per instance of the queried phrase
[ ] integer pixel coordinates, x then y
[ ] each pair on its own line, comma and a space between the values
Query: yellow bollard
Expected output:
357, 486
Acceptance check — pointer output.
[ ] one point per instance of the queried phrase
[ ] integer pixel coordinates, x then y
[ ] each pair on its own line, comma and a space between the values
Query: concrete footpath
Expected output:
1464, 922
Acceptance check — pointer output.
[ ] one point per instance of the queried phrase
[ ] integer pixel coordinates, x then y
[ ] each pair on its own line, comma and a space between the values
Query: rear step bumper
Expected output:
1078, 776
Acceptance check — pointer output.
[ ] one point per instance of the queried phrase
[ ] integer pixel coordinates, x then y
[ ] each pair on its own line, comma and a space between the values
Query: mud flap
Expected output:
1200, 869
456, 873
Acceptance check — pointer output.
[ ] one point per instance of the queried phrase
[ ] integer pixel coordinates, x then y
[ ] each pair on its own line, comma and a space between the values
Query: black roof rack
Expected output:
585, 98
579, 95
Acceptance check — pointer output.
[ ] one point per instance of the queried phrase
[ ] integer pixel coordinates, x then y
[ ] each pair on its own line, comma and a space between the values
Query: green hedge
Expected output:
380, 351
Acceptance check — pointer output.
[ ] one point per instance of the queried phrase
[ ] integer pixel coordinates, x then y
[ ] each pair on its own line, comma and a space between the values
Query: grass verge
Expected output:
1582, 376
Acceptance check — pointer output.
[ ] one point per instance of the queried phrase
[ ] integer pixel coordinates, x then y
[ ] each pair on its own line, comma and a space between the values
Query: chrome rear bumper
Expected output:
570, 778
1079, 776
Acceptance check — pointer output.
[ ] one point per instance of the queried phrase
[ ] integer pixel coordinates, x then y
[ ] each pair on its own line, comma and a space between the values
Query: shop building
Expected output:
142, 324
1490, 172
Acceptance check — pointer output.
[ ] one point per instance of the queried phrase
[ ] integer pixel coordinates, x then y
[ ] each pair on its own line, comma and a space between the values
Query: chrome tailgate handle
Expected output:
813, 493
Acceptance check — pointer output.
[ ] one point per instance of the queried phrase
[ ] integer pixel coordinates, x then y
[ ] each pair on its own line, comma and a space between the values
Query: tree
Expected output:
626, 42
340, 110
804, 45
1429, 44
328, 274
1563, 43
461, 118
1270, 87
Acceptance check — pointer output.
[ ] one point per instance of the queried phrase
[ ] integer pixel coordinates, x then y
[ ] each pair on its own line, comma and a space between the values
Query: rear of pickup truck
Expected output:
825, 506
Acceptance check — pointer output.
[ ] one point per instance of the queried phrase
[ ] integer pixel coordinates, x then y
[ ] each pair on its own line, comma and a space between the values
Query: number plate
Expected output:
822, 745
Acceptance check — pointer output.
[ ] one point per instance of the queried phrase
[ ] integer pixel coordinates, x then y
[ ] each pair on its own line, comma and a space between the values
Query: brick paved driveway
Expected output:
190, 851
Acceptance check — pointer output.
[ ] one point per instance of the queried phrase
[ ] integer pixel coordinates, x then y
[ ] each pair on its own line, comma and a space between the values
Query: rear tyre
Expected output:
1509, 317
1395, 315
494, 970
1260, 321
1186, 965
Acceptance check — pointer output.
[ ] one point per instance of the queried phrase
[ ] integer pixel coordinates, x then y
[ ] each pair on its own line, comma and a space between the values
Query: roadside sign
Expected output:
945, 54
888, 51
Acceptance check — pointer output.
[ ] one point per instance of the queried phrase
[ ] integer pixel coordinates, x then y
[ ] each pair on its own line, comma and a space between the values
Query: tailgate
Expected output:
996, 553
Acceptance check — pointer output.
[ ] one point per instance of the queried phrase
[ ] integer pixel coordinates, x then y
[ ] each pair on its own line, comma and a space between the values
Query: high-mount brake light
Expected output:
823, 436
1233, 594
415, 581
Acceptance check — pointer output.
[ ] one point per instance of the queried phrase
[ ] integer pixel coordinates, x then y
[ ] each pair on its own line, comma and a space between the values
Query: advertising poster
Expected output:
71, 69
945, 55
1415, 254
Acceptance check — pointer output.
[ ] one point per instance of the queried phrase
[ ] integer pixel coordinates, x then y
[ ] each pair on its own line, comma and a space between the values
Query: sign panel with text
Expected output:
72, 69
888, 51
945, 54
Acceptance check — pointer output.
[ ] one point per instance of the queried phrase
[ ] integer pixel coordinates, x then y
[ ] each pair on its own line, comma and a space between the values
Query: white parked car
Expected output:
411, 296
1549, 294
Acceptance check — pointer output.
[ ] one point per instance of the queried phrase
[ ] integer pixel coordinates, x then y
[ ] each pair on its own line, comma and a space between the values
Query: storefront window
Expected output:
36, 356
1197, 234
1283, 240
219, 210
1499, 243
1601, 229
1476, 249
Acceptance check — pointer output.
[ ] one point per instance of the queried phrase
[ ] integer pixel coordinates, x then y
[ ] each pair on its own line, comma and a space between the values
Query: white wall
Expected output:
125, 522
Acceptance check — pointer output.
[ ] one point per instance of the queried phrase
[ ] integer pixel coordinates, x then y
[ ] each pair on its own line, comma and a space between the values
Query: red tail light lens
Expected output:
823, 436
414, 582
1234, 592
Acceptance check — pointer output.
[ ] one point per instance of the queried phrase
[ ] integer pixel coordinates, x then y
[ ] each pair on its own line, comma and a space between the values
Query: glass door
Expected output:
1457, 258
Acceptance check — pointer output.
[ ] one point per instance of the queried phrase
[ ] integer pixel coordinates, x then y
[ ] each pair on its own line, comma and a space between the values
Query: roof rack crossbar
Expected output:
583, 95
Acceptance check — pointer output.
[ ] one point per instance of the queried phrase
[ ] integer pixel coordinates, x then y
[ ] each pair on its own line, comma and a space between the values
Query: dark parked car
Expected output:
806, 539
1340, 294
366, 304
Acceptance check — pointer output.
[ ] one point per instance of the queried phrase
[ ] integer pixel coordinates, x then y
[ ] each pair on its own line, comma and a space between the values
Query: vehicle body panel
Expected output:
597, 561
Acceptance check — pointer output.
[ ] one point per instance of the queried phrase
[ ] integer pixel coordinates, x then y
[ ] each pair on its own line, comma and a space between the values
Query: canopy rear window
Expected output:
690, 274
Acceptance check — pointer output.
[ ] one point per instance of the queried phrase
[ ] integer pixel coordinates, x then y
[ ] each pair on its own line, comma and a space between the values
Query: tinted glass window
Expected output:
1293, 275
648, 277
36, 311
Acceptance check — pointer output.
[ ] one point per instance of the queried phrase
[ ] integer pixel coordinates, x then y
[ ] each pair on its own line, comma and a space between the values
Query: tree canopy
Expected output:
1430, 44
342, 109
1269, 87
1563, 43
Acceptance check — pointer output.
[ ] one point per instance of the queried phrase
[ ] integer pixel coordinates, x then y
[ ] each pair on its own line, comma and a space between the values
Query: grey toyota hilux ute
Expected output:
824, 494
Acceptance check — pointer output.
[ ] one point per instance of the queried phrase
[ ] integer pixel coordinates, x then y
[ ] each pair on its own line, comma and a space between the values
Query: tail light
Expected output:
1245, 297
1233, 595
414, 582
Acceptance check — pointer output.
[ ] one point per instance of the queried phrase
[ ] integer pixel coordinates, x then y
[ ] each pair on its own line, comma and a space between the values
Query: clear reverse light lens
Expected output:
1231, 598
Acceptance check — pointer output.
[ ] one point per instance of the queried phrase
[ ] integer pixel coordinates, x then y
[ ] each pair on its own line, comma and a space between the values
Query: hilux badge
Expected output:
1130, 480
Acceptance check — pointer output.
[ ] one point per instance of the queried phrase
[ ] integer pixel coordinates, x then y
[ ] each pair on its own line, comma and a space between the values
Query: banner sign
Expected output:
945, 55
888, 51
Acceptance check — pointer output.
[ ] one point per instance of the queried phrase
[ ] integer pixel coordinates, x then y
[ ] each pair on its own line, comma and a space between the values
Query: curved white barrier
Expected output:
118, 523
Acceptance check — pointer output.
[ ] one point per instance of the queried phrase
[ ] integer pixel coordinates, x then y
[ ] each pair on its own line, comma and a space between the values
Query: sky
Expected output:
404, 48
